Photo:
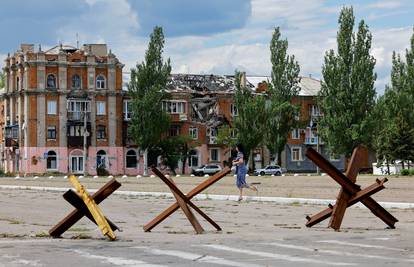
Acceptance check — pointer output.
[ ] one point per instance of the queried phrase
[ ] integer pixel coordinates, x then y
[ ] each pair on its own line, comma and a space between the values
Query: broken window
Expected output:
174, 107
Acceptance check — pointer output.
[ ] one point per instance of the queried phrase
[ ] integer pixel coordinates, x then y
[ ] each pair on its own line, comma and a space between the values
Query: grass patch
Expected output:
42, 234
11, 221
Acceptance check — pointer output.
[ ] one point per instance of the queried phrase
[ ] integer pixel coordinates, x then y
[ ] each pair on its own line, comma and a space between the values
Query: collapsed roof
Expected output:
202, 84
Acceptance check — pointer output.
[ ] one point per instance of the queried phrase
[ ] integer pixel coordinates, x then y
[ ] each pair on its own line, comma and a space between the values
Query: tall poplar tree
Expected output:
347, 95
147, 89
250, 122
394, 134
282, 113
2, 82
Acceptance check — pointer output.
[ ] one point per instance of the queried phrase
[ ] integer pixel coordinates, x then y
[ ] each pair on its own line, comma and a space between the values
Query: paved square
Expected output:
254, 234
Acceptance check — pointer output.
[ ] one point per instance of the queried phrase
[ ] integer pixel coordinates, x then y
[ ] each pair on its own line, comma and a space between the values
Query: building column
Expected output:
112, 118
41, 120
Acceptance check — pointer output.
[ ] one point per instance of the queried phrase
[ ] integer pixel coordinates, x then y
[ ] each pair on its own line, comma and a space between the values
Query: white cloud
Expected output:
302, 22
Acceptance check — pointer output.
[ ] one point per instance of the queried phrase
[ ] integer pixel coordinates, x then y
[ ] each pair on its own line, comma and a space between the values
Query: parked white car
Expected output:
209, 169
269, 170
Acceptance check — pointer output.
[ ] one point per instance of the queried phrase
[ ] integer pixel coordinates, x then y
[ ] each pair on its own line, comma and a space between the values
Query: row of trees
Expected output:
351, 113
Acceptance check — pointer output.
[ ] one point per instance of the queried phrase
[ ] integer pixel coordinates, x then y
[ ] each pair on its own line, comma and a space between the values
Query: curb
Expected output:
277, 200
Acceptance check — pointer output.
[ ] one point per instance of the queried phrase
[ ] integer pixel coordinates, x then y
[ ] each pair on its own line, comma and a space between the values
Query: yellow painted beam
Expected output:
93, 208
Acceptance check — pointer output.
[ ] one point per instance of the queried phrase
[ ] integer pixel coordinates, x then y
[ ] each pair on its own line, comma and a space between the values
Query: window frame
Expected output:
100, 82
51, 129
211, 154
193, 132
295, 133
49, 111
50, 157
99, 130
54, 80
127, 112
130, 156
299, 153
73, 82
100, 108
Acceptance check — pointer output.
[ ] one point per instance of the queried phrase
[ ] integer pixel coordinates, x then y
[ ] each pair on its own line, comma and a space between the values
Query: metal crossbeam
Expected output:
183, 200
350, 193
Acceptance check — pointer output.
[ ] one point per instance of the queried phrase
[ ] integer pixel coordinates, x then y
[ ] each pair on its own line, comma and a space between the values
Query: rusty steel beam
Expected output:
76, 214
183, 198
195, 191
343, 197
366, 192
350, 187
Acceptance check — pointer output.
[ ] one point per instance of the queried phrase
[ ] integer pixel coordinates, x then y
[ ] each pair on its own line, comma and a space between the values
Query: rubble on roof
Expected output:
203, 84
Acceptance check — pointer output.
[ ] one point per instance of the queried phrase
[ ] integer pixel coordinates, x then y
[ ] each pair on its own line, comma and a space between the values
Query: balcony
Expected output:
75, 134
78, 116
11, 134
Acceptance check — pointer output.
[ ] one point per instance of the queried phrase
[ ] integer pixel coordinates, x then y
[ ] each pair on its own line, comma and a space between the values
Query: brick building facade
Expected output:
51, 97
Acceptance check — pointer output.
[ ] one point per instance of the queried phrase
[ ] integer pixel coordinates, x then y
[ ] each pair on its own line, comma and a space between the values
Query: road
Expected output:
254, 234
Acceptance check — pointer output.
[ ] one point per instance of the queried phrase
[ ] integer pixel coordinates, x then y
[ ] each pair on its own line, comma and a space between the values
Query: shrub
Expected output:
101, 171
405, 172
412, 172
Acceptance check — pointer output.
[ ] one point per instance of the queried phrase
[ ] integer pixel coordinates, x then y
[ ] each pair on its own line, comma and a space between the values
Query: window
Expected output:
127, 110
17, 83
51, 107
100, 82
100, 132
100, 108
193, 131
193, 159
296, 153
51, 132
51, 161
131, 159
315, 111
174, 107
76, 109
76, 81
296, 133
175, 130
234, 111
51, 81
214, 154
101, 159
233, 133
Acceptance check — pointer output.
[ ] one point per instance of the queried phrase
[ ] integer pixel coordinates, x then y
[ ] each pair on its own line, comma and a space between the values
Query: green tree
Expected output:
171, 151
282, 113
347, 96
250, 123
226, 137
147, 89
2, 82
394, 138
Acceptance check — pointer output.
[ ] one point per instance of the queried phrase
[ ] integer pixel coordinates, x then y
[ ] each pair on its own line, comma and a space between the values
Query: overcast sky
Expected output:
214, 36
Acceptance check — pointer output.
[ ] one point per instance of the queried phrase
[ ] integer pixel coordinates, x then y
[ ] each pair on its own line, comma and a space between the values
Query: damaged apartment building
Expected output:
202, 104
